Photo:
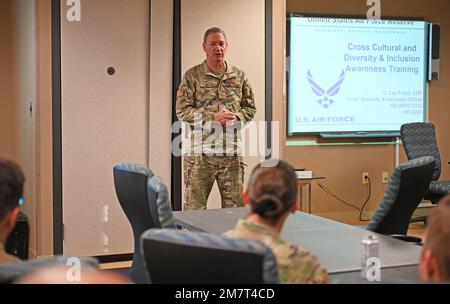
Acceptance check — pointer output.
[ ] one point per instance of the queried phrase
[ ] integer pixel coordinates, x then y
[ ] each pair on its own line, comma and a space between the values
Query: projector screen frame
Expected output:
354, 134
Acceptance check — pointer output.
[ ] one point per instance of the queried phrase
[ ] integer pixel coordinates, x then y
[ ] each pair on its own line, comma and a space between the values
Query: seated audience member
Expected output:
65, 275
272, 196
11, 191
435, 260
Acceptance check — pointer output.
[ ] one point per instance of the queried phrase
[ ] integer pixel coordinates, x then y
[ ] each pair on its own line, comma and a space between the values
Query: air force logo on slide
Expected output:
325, 96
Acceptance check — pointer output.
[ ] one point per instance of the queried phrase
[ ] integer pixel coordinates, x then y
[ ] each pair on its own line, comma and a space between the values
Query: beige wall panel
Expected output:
25, 86
104, 119
243, 22
7, 130
279, 68
20, 84
161, 47
44, 157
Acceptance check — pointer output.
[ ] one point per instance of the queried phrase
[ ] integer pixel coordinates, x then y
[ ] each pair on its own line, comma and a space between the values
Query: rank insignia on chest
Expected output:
230, 82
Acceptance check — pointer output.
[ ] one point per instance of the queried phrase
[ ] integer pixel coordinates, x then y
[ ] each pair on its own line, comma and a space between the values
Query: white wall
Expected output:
104, 119
246, 51
25, 95
243, 22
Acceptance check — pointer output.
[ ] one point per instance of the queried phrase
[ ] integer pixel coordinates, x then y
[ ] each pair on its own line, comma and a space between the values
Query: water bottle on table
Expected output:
369, 249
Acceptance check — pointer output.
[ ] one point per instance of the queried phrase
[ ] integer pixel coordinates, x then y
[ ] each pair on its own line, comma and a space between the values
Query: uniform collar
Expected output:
256, 227
229, 72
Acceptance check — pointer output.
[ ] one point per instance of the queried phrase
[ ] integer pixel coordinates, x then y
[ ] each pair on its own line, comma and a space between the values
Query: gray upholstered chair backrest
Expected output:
407, 188
175, 256
145, 202
161, 208
419, 139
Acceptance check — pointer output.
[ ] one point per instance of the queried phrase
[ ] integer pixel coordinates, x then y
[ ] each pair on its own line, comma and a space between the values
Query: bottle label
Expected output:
370, 261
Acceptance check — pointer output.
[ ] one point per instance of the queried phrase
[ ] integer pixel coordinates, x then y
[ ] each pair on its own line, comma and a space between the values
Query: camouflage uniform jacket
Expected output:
295, 265
202, 94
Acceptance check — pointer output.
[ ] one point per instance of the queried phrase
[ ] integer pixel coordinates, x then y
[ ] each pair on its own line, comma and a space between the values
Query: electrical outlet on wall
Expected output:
385, 177
365, 178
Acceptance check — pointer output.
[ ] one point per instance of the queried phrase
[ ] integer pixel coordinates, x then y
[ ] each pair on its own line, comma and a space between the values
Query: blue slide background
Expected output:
341, 79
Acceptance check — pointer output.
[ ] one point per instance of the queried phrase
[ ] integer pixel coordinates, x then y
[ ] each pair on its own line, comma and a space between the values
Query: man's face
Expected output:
215, 48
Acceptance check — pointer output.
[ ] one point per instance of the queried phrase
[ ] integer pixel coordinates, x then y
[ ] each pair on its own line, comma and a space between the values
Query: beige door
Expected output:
104, 119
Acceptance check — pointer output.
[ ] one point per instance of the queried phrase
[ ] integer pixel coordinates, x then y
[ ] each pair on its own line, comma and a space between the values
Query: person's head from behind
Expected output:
435, 260
272, 192
11, 190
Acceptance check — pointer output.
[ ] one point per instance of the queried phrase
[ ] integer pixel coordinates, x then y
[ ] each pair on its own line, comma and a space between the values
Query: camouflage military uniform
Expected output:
213, 153
295, 265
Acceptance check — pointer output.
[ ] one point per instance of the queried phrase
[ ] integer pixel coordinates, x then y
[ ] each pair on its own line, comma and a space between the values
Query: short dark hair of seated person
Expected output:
435, 259
11, 190
272, 195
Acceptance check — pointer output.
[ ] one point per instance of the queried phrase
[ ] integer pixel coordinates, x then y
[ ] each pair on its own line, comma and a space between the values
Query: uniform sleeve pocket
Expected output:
189, 162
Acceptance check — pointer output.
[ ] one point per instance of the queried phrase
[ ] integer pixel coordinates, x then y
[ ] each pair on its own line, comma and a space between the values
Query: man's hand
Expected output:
225, 116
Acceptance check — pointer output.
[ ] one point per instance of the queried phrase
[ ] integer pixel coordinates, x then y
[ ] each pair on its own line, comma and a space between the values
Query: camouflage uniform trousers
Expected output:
200, 173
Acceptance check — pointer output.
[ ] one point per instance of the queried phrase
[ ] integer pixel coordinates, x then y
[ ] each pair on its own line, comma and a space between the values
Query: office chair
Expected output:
180, 257
419, 139
145, 201
409, 184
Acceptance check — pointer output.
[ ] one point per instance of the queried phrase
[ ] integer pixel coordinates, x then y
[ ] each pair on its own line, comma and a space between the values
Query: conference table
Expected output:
336, 245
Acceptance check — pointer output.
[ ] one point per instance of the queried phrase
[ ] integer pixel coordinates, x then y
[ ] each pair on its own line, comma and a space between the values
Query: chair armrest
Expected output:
418, 219
406, 238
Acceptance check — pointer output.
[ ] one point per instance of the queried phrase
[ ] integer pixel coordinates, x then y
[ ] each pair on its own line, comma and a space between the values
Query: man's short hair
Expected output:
438, 235
11, 186
214, 30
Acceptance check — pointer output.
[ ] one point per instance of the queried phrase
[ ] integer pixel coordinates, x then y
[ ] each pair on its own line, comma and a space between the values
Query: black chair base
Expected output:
407, 238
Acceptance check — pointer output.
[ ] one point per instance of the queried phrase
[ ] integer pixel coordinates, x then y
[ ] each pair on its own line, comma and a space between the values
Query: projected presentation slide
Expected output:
350, 75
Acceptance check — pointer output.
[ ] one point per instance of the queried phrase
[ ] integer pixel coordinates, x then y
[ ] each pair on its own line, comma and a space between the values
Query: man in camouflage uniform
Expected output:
295, 265
216, 100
